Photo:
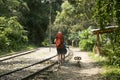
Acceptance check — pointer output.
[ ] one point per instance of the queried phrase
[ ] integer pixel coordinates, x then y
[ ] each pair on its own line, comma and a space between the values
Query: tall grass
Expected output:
13, 51
111, 72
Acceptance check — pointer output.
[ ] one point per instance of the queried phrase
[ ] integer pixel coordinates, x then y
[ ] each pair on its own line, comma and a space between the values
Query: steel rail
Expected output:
16, 55
41, 70
26, 66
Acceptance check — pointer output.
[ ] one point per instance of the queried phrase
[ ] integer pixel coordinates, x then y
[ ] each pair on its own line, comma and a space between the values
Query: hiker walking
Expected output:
59, 41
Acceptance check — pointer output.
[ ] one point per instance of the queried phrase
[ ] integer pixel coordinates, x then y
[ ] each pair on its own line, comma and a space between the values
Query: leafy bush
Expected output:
112, 49
3, 42
113, 57
45, 42
12, 34
87, 40
112, 73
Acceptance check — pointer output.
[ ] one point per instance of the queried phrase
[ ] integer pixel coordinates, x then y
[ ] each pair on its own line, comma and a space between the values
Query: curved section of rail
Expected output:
69, 56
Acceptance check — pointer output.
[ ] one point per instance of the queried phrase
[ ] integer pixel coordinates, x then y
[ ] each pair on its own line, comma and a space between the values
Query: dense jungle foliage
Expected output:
24, 22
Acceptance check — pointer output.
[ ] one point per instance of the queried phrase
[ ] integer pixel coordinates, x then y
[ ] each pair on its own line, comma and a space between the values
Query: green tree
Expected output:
10, 8
76, 15
104, 13
107, 13
36, 20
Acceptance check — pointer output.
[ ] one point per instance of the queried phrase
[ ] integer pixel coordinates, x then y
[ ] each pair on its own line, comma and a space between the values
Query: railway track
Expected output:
27, 71
46, 74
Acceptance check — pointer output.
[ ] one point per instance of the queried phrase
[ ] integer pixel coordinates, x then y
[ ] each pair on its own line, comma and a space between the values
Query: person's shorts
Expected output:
60, 51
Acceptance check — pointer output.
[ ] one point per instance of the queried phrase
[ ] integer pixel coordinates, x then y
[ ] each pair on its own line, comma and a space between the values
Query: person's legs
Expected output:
59, 58
63, 57
58, 54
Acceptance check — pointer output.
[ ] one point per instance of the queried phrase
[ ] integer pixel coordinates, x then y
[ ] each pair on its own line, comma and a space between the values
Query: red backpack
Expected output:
59, 40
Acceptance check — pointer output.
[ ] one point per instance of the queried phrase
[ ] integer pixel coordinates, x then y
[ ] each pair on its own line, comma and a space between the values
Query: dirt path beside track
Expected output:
89, 69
